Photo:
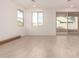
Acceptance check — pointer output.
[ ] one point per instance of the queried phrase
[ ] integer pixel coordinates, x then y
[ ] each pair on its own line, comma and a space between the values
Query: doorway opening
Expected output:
67, 23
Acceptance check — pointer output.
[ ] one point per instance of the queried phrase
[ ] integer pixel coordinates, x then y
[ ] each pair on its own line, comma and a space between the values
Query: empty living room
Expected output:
39, 28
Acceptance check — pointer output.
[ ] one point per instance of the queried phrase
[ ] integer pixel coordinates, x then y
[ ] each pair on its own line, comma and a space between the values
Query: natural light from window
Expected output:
37, 18
20, 17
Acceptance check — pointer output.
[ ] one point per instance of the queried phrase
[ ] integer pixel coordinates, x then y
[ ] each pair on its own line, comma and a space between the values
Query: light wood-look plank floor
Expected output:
41, 46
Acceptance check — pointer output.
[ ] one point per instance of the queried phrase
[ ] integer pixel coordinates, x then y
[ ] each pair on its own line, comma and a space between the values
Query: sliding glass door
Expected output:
67, 22
73, 22
61, 22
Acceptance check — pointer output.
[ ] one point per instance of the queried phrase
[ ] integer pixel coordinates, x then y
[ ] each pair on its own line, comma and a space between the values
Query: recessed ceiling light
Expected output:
33, 0
34, 6
71, 6
68, 0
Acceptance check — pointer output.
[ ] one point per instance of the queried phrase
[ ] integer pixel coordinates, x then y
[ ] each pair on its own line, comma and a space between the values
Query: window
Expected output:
20, 17
37, 18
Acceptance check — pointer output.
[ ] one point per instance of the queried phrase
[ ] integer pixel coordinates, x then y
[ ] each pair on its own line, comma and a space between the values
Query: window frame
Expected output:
38, 24
20, 17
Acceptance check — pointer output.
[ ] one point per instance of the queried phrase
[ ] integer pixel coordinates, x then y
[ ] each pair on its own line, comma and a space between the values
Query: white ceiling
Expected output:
49, 3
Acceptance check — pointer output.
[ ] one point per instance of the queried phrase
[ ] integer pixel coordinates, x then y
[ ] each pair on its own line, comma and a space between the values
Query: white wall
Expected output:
49, 26
69, 9
8, 20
